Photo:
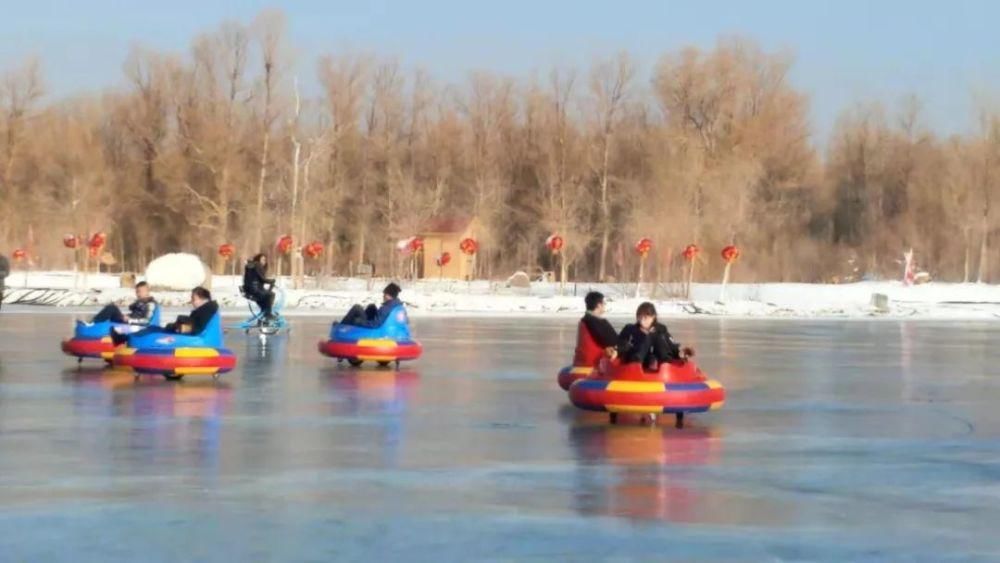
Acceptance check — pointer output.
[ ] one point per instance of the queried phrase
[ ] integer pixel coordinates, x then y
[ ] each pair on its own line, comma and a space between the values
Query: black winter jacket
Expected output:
634, 345
255, 277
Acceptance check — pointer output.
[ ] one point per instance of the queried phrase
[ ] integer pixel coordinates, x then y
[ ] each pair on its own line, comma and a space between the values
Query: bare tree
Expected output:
270, 29
610, 81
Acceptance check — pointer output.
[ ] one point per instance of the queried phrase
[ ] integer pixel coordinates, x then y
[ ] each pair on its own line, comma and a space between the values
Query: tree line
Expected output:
220, 145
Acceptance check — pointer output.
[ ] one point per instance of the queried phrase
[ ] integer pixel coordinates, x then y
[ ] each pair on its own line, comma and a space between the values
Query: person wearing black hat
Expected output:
359, 316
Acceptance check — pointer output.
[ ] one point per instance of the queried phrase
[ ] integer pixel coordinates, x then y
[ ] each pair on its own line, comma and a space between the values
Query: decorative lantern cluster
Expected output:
691, 252
19, 254
411, 245
730, 254
227, 250
443, 259
555, 243
468, 246
313, 250
643, 246
285, 244
96, 244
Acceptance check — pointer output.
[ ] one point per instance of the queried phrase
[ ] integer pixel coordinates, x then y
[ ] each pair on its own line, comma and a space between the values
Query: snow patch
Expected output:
178, 272
933, 300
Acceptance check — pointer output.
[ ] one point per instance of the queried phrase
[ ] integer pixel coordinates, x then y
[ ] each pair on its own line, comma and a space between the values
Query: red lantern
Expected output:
691, 252
19, 254
284, 245
730, 254
227, 250
314, 249
97, 243
71, 242
643, 246
555, 243
443, 259
468, 246
416, 244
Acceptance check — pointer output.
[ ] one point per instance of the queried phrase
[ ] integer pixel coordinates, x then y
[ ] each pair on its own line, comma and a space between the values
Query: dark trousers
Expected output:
109, 313
264, 300
651, 352
171, 328
357, 313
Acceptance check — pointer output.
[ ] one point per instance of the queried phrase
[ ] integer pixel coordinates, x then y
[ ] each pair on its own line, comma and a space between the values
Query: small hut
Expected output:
443, 234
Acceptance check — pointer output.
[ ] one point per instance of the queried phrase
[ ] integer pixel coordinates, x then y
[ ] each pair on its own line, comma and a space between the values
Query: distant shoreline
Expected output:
437, 298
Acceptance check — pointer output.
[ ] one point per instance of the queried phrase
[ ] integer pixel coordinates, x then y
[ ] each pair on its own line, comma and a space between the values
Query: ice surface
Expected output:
839, 441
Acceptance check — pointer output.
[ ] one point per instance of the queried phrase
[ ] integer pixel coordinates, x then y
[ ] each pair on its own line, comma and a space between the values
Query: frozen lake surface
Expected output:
839, 441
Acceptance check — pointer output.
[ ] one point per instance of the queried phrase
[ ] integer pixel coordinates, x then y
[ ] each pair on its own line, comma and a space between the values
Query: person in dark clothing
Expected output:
648, 342
361, 316
204, 310
257, 286
599, 328
194, 324
140, 312
4, 272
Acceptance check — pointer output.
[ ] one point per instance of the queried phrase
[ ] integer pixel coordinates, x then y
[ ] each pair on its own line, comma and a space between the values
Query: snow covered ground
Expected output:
770, 300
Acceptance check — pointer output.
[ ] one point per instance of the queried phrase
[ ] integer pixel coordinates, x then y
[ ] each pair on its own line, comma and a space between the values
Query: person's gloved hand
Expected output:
611, 352
687, 352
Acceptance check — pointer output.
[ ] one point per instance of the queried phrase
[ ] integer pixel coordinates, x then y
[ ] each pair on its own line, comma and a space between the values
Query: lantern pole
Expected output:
725, 281
86, 264
562, 273
729, 254
690, 280
642, 266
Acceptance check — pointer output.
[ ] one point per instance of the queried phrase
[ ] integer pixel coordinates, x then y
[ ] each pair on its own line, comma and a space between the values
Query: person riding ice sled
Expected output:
140, 312
371, 317
595, 338
204, 308
258, 287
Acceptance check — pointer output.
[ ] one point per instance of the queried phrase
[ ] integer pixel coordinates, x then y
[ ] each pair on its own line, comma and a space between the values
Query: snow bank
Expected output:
66, 279
333, 296
177, 272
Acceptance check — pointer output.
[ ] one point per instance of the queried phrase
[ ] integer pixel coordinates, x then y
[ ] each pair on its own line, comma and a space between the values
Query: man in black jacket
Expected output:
194, 324
204, 310
371, 317
600, 329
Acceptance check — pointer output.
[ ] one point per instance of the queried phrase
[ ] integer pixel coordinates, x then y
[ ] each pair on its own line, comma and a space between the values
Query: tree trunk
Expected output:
222, 216
968, 255
690, 279
255, 245
638, 285
984, 251
605, 209
562, 273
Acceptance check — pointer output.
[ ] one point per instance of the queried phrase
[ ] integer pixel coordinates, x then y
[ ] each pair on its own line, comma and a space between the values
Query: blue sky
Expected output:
946, 53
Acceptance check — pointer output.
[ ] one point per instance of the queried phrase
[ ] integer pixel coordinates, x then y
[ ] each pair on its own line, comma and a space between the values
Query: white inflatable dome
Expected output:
180, 272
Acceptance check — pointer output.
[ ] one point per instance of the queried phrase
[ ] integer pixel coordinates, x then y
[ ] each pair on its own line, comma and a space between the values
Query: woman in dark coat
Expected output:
257, 286
648, 342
